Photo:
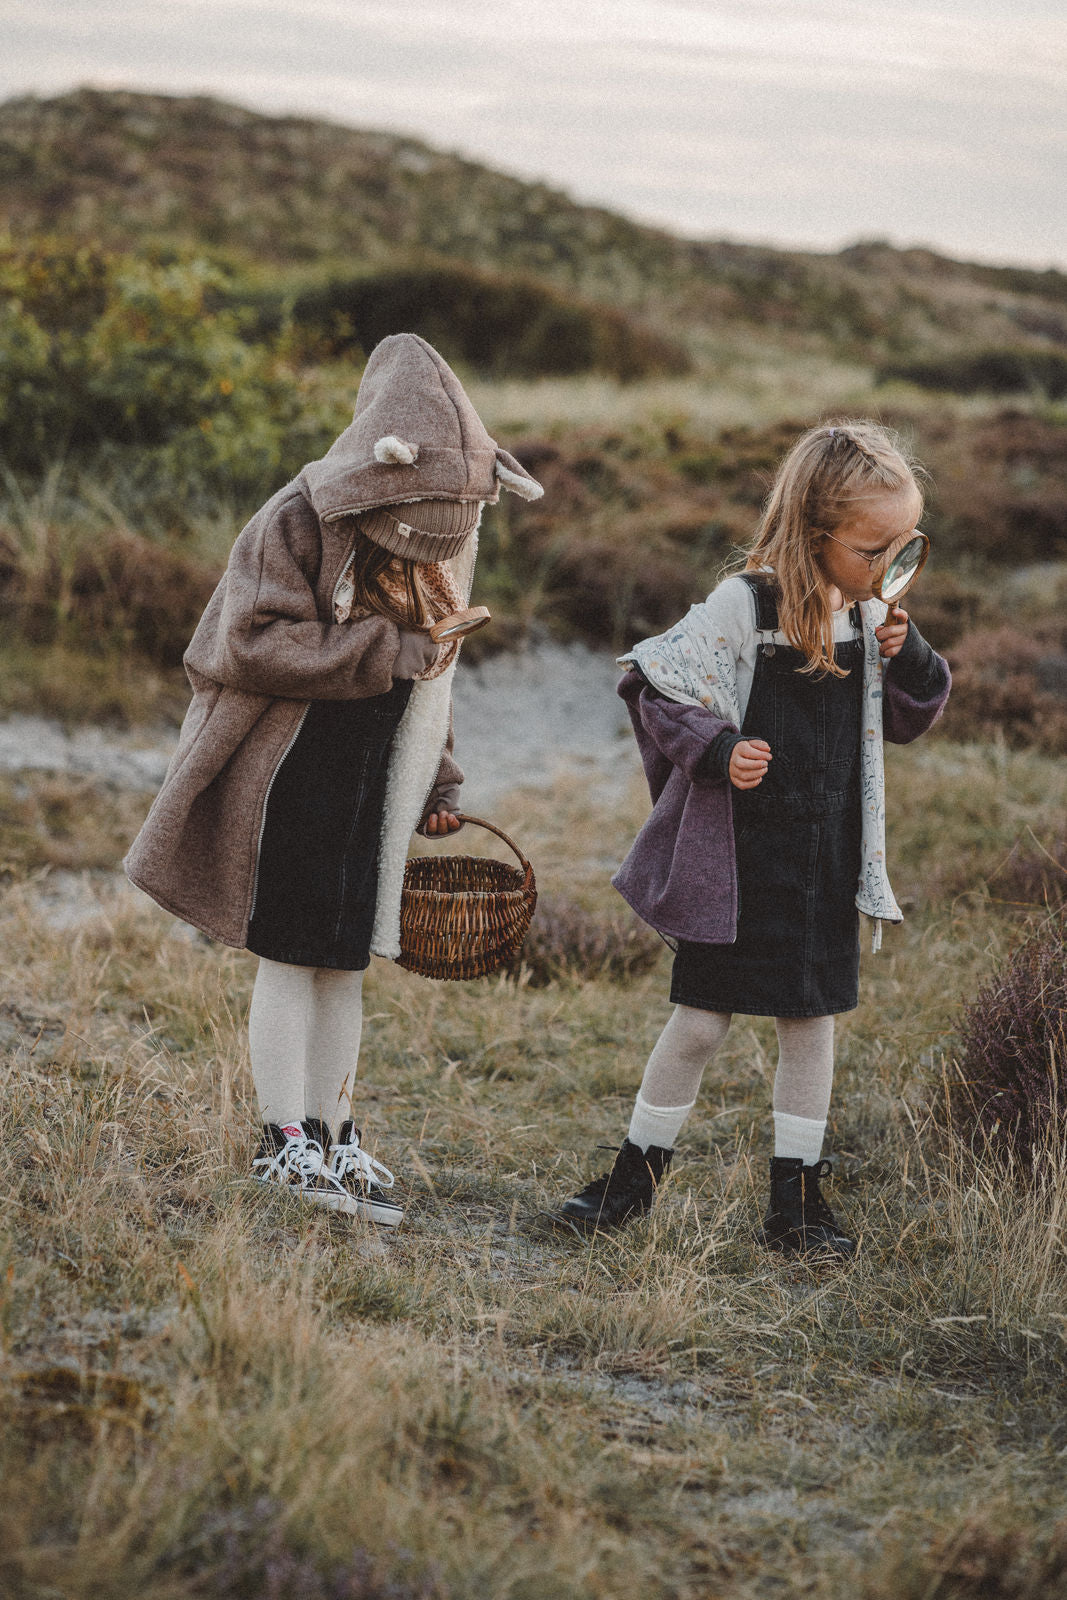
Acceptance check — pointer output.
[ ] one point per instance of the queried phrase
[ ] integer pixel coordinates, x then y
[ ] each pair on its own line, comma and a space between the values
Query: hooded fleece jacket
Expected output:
268, 644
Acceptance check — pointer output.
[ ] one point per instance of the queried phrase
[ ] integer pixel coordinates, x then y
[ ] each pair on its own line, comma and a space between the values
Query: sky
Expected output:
806, 123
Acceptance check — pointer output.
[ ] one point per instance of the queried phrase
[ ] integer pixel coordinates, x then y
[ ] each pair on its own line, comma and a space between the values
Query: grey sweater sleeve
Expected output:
715, 763
917, 668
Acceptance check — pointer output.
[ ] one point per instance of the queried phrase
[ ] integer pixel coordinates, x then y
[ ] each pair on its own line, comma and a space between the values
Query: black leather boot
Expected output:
798, 1219
628, 1190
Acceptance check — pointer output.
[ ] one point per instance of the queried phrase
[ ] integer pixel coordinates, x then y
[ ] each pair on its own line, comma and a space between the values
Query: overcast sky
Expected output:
804, 122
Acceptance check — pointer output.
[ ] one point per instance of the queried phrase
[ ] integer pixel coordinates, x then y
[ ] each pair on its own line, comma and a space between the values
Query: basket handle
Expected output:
492, 827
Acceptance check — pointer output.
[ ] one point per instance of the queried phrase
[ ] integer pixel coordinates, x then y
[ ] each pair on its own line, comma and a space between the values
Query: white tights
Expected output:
304, 1029
802, 1082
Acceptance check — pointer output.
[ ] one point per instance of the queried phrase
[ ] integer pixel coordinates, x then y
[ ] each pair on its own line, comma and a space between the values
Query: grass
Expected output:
209, 1391
751, 382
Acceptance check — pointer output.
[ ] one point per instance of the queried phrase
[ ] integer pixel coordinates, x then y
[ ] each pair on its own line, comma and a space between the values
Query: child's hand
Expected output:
439, 822
417, 652
892, 633
440, 817
749, 761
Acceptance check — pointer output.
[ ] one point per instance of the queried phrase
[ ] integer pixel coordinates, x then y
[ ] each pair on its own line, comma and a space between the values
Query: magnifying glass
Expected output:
459, 623
904, 560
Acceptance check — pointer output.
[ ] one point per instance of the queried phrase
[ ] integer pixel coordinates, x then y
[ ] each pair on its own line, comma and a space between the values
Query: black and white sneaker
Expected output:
363, 1179
299, 1161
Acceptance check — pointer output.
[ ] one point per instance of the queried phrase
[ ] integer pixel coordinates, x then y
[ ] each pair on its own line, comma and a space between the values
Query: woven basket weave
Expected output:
465, 916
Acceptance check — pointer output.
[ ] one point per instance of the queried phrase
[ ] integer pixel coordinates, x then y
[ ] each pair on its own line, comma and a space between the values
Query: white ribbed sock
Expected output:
802, 1086
658, 1125
684, 1048
277, 1039
798, 1136
335, 1022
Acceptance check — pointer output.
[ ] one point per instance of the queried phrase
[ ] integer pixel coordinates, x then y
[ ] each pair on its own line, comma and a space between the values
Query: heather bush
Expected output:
999, 492
1005, 686
1011, 1101
116, 591
567, 941
946, 606
620, 545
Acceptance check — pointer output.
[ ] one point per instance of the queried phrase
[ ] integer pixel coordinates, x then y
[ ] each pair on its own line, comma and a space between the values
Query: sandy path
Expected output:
520, 719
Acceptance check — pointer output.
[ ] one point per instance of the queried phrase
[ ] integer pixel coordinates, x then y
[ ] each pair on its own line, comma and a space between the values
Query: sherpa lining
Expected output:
418, 745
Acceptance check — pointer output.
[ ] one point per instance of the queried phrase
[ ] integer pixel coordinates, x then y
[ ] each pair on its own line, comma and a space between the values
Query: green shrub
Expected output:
505, 325
986, 372
123, 355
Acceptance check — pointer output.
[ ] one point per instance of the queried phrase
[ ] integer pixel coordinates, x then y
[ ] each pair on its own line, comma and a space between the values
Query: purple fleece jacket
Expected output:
680, 874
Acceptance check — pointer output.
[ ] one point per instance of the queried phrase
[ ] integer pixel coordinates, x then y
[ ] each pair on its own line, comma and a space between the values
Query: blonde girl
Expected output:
760, 718
319, 737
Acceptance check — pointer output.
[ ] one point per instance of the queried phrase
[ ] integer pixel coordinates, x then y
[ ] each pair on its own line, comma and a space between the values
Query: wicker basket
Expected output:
465, 916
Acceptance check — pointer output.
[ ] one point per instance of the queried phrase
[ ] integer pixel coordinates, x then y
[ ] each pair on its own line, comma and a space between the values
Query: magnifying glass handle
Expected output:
459, 623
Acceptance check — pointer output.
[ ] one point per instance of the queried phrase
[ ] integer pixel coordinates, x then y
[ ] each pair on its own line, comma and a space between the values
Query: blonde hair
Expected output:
827, 469
372, 569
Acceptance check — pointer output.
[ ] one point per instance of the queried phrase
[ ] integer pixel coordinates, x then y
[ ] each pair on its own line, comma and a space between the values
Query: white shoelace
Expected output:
299, 1159
346, 1159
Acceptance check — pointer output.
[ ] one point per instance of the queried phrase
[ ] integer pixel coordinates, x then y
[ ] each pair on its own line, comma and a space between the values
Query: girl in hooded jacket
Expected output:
760, 718
319, 737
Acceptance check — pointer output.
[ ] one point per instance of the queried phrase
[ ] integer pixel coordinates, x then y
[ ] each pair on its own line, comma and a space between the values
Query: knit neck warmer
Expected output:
440, 588
691, 664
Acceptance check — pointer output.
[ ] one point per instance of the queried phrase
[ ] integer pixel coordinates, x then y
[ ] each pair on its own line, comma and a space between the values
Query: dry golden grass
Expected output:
743, 386
210, 1391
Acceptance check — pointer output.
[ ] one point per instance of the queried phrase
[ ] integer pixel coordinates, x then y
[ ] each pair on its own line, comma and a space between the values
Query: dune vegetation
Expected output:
209, 1391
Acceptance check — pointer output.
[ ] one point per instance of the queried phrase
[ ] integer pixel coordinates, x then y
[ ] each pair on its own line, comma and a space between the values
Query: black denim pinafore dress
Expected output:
797, 838
317, 877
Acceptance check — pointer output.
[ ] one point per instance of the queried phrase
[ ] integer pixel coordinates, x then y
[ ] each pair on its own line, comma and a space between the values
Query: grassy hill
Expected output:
289, 196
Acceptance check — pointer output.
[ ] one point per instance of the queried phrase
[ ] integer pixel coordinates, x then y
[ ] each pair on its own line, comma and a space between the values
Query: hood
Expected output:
414, 436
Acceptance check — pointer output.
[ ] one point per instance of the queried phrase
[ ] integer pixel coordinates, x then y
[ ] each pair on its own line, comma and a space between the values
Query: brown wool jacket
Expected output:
265, 647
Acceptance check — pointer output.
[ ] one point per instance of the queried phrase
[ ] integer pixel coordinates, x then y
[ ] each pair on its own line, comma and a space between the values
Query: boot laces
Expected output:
625, 1170
816, 1209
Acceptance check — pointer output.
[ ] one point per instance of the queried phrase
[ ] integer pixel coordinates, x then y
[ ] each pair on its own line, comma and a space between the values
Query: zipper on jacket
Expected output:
340, 578
266, 798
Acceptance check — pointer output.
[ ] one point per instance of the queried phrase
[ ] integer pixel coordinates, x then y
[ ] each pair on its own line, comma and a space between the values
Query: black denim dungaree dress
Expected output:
797, 838
317, 878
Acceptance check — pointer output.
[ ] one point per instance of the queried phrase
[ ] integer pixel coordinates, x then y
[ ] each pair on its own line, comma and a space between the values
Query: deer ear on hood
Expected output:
514, 476
395, 452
